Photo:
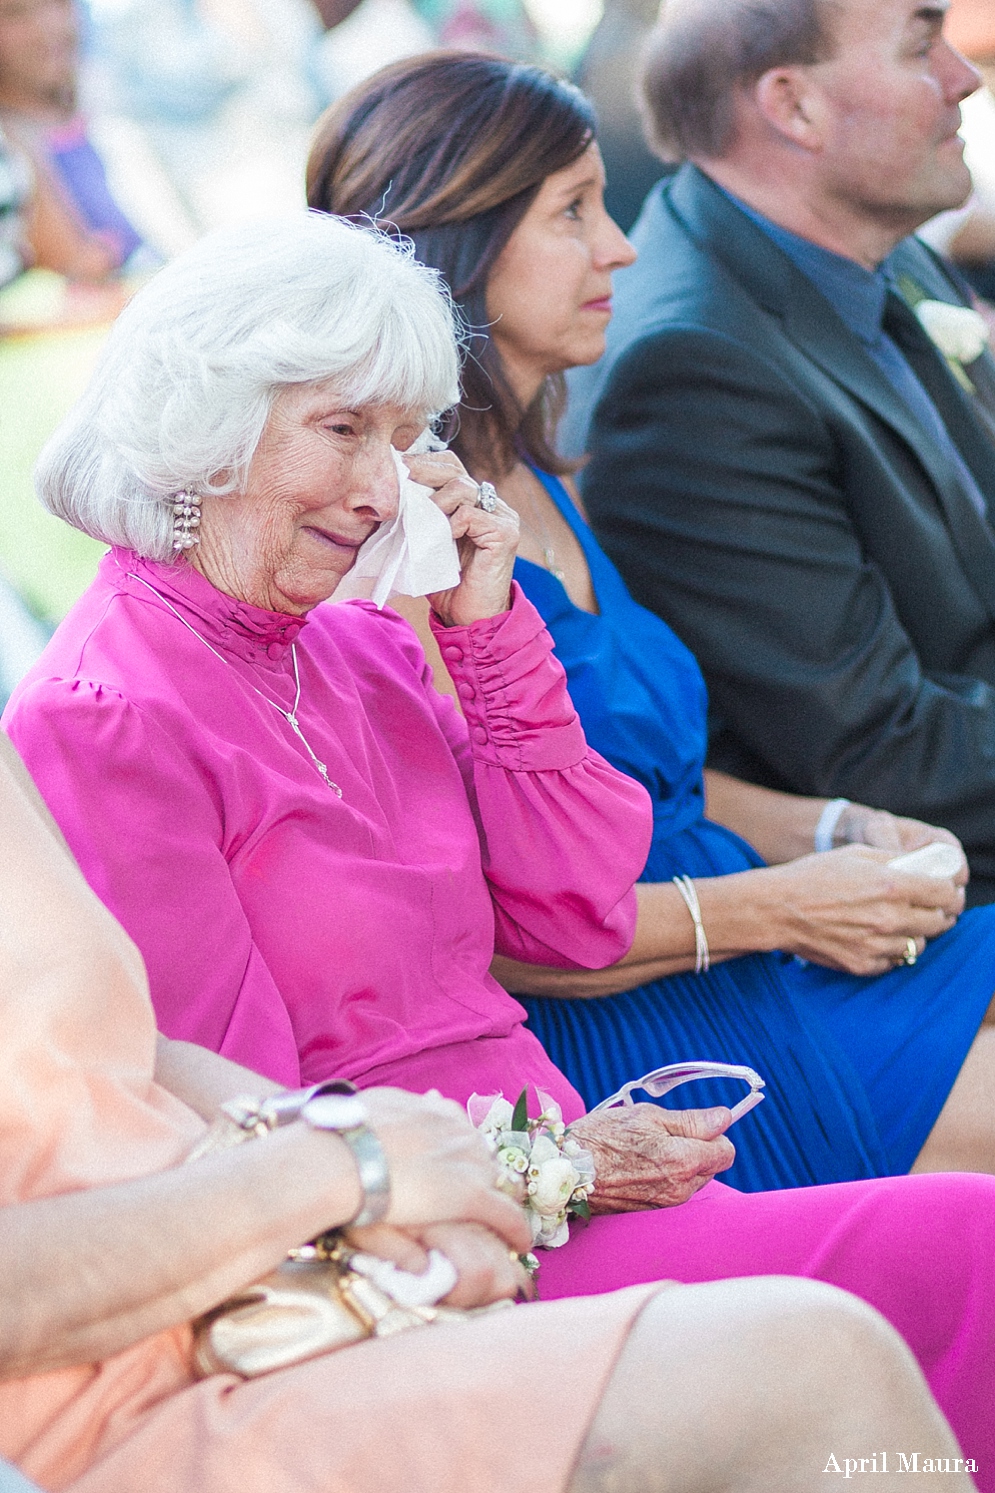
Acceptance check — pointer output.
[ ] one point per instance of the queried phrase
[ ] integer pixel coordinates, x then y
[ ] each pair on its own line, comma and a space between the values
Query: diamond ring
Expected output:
487, 497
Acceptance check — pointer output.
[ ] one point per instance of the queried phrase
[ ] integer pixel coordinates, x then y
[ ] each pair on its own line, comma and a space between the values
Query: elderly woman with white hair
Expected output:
266, 791
316, 855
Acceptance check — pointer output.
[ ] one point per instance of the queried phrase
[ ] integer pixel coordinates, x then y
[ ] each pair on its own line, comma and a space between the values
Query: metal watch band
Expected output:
337, 1107
374, 1173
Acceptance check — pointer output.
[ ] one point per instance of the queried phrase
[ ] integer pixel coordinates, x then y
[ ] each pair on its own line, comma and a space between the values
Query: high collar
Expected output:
248, 632
856, 294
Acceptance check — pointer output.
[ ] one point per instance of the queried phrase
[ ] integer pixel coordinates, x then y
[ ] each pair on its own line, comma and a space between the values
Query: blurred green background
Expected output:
41, 376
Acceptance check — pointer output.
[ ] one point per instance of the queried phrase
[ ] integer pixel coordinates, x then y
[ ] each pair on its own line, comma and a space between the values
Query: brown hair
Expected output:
450, 150
701, 52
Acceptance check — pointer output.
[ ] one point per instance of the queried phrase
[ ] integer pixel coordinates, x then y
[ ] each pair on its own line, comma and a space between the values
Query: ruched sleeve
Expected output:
563, 834
151, 844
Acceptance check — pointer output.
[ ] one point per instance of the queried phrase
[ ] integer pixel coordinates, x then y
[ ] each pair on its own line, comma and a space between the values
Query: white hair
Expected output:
189, 373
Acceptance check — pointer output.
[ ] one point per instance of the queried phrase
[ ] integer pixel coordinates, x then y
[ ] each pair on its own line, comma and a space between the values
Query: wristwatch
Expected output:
336, 1106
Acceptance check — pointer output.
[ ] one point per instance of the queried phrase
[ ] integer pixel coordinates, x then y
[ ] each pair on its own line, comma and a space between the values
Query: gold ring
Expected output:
911, 952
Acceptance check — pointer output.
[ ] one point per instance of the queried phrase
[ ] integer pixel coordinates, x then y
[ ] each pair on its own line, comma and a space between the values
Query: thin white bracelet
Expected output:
686, 887
828, 820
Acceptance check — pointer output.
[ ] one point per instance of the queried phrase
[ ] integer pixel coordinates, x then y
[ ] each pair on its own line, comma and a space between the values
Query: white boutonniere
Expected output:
959, 333
538, 1158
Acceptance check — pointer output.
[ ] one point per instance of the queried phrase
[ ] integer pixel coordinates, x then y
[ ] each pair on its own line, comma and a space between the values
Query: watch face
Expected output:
335, 1112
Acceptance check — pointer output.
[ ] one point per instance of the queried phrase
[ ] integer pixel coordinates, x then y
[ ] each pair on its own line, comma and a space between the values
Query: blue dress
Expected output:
857, 1069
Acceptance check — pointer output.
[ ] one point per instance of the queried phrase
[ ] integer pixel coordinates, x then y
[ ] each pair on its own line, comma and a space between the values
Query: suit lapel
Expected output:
919, 264
808, 320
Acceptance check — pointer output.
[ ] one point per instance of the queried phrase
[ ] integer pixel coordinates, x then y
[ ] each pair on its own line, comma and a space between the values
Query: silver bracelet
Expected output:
828, 820
686, 887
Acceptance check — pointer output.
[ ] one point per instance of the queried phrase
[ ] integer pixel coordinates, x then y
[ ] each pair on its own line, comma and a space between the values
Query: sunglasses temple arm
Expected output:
621, 1096
745, 1105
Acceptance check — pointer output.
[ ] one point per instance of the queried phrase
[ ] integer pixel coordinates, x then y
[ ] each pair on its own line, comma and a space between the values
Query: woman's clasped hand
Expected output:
849, 910
443, 1196
440, 1166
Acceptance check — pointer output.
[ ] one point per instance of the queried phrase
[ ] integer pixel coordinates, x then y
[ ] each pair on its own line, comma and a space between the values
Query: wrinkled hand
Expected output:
487, 542
483, 1263
847, 910
862, 826
441, 1170
649, 1157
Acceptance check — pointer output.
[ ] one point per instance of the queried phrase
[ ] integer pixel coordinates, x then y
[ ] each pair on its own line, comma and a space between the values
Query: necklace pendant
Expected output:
549, 556
324, 773
290, 716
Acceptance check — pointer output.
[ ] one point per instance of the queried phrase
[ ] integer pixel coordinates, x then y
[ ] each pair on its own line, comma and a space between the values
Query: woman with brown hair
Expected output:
874, 1066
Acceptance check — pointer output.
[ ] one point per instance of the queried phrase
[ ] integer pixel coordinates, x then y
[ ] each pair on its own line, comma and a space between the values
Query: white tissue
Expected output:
413, 555
406, 1289
935, 859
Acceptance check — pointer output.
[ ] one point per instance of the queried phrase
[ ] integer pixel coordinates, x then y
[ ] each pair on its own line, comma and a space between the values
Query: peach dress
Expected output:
495, 1406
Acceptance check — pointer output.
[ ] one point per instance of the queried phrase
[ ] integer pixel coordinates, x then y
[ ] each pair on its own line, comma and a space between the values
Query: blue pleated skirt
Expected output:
857, 1069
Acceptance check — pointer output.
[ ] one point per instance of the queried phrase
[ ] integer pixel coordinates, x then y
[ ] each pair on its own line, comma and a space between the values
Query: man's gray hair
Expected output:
702, 52
189, 373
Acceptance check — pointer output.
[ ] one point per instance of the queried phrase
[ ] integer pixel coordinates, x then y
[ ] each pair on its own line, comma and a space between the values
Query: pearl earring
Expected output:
186, 519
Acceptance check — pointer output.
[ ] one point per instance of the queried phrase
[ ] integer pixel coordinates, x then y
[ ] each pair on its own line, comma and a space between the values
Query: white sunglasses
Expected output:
662, 1080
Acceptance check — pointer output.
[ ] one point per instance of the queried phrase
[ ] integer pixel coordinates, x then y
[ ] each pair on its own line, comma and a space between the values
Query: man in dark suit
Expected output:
784, 465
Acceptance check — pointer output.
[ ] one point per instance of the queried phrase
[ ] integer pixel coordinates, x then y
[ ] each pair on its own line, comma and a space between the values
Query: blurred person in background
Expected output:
364, 35
37, 226
502, 26
79, 230
608, 74
82, 231
15, 198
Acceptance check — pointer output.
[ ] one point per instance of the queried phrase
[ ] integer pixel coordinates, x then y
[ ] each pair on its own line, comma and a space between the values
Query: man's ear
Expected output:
789, 102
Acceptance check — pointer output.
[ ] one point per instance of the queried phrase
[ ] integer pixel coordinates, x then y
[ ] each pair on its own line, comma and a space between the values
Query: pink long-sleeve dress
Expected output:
307, 934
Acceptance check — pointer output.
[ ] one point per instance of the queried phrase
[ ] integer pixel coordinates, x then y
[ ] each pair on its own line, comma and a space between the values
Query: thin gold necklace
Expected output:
290, 716
541, 537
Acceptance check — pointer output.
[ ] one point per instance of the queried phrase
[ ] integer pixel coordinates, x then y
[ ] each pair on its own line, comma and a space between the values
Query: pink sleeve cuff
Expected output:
513, 691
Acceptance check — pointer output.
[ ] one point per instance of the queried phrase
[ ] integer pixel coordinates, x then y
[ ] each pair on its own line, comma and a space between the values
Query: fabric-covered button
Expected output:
479, 734
275, 651
453, 654
466, 691
291, 630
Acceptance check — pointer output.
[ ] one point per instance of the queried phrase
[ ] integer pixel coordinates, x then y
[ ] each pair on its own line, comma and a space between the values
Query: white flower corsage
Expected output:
556, 1170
